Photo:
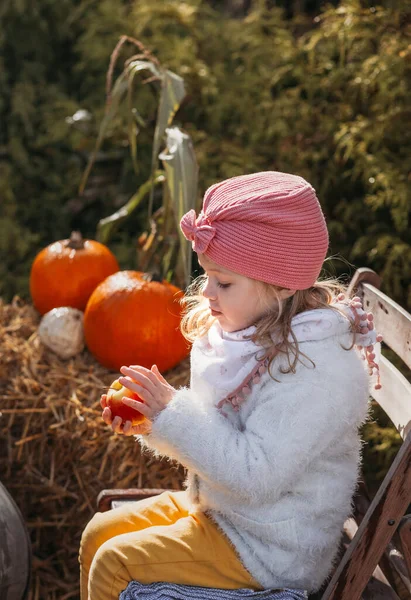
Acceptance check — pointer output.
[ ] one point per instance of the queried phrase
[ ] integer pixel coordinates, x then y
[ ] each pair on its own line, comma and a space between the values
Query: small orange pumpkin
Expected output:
130, 320
67, 272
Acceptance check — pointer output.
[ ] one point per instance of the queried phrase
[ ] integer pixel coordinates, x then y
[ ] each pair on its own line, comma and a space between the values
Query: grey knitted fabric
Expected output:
171, 591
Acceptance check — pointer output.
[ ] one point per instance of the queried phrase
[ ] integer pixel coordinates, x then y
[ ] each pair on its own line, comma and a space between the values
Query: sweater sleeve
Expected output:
275, 447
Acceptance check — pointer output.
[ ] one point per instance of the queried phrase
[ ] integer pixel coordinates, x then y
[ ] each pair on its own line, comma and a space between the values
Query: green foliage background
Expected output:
327, 98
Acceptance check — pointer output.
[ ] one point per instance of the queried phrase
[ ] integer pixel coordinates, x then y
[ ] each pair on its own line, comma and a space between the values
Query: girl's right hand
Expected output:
116, 424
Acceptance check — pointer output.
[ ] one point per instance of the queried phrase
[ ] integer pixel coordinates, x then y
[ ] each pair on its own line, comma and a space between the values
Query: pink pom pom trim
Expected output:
364, 323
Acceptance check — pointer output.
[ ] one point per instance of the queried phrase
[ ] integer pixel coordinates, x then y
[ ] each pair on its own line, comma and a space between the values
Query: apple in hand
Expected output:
118, 409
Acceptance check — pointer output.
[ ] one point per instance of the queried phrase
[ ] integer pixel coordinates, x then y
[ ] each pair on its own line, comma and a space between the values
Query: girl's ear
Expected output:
284, 293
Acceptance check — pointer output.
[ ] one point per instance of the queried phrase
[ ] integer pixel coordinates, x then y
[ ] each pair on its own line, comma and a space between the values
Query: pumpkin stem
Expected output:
76, 241
152, 277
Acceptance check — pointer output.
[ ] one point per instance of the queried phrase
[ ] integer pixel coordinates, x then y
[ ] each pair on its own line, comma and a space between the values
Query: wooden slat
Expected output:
378, 588
404, 532
392, 562
395, 396
364, 275
391, 320
375, 531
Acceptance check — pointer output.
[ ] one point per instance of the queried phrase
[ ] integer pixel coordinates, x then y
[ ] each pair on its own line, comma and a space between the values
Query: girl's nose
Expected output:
209, 292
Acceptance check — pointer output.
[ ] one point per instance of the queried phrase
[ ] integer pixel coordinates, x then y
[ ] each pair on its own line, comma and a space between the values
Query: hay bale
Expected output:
56, 454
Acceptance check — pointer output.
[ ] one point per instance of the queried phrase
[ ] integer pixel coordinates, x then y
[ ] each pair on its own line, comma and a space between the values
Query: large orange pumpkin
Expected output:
130, 320
67, 272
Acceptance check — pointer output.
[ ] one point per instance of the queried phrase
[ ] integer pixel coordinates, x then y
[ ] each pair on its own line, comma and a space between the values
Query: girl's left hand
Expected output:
151, 386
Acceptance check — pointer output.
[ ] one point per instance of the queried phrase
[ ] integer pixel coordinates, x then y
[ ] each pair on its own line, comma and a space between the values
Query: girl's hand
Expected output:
116, 423
151, 386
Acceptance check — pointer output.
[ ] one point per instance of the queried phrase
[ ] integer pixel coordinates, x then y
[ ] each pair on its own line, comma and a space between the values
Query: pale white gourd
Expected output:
62, 330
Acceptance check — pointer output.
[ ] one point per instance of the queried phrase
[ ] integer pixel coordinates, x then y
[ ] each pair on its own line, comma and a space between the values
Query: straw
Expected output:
56, 454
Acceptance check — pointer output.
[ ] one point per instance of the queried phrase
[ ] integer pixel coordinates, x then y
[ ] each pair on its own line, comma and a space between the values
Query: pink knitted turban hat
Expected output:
268, 226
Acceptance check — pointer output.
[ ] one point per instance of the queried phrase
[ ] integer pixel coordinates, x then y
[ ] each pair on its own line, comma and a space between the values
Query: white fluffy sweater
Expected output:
278, 475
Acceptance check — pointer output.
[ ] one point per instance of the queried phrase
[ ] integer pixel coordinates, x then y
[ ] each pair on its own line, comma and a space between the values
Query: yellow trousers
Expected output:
156, 539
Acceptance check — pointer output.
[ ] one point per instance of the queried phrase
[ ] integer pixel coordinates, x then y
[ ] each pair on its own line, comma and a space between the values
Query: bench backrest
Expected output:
394, 495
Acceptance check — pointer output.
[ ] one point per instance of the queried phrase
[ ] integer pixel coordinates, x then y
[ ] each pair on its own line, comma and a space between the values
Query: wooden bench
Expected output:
375, 562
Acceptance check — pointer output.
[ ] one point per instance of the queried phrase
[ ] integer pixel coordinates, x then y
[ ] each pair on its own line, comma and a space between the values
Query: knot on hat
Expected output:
197, 230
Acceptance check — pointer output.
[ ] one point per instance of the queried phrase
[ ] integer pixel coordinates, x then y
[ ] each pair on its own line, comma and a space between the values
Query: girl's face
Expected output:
235, 300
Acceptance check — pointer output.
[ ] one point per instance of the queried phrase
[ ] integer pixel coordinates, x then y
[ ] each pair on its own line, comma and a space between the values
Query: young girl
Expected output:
268, 428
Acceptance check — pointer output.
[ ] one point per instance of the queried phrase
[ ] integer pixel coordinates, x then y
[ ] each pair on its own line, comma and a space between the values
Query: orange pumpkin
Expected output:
67, 272
130, 320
